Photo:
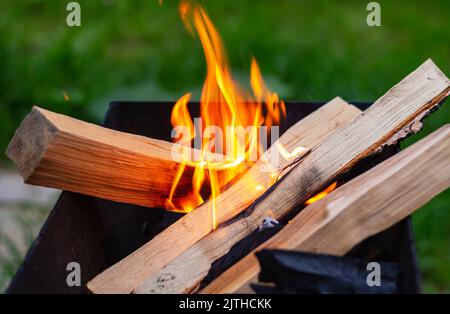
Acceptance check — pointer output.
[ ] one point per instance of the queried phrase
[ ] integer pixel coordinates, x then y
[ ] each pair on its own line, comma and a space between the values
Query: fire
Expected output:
226, 105
322, 194
290, 155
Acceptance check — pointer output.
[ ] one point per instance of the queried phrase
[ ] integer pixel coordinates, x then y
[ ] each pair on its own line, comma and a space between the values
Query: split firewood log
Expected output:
368, 204
395, 115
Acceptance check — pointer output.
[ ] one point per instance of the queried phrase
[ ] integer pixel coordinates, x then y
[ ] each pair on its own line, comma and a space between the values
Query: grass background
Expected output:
307, 50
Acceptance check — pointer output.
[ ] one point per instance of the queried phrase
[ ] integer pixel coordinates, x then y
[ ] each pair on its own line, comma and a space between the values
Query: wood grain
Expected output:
396, 114
58, 151
129, 273
363, 207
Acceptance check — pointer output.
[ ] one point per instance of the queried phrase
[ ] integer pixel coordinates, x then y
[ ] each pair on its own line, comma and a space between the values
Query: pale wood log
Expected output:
357, 210
396, 114
58, 151
129, 273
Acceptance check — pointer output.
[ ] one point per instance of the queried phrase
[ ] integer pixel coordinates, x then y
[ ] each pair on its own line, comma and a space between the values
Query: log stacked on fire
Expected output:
372, 202
54, 150
57, 151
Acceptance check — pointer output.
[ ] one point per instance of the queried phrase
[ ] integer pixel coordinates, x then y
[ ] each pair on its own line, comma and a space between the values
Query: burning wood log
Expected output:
395, 115
363, 207
57, 151
129, 273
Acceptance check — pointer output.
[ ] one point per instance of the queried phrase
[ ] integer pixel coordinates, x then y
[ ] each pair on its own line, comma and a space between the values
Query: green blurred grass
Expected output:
307, 50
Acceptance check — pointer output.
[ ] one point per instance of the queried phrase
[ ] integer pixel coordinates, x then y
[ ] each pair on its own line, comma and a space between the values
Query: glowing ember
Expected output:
225, 105
66, 96
322, 194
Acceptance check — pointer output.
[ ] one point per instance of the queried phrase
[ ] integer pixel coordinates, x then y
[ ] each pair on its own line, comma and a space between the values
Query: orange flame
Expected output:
322, 194
225, 105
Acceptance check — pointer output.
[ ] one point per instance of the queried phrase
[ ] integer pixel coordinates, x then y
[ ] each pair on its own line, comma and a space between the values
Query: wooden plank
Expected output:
363, 207
129, 273
58, 151
394, 115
